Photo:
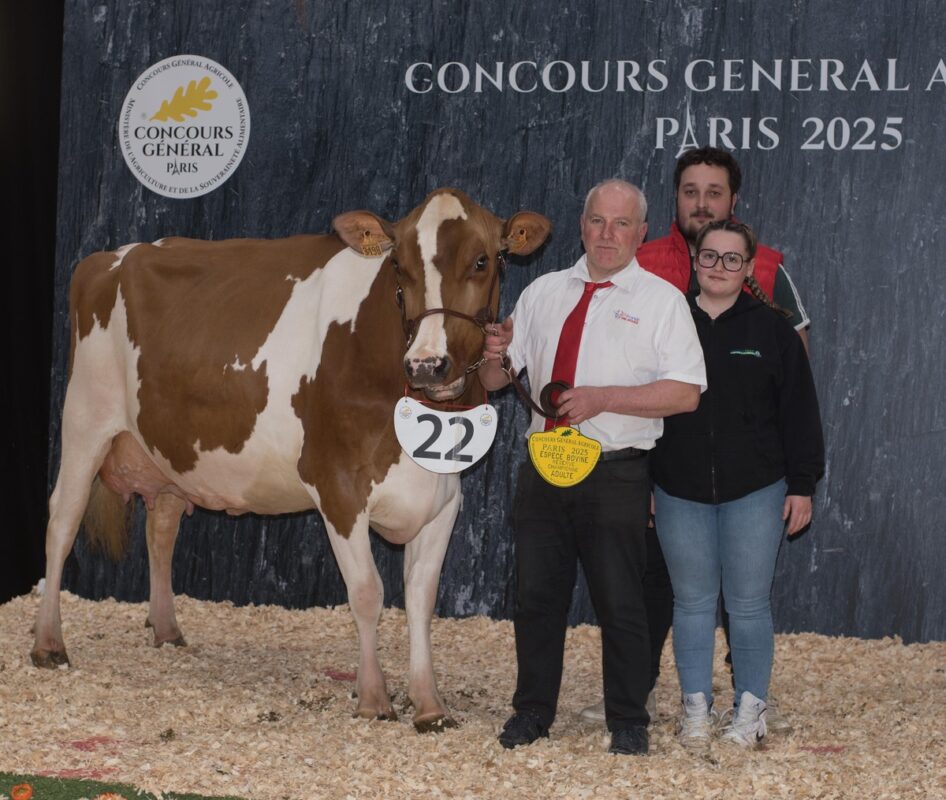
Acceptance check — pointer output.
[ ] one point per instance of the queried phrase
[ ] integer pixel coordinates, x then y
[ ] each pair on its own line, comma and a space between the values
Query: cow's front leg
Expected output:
423, 560
366, 598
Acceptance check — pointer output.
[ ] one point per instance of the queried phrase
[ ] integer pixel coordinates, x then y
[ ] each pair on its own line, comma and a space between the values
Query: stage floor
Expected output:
258, 705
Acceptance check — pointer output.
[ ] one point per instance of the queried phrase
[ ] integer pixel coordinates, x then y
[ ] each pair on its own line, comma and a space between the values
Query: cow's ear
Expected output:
364, 232
524, 232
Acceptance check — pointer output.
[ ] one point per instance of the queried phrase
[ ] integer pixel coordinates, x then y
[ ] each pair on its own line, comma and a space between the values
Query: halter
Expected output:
481, 318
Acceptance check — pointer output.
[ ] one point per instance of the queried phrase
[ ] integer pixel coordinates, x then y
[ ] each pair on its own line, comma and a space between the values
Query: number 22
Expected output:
456, 452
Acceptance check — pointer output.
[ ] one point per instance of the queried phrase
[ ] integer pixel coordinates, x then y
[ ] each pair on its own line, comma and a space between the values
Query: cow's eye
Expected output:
395, 265
481, 263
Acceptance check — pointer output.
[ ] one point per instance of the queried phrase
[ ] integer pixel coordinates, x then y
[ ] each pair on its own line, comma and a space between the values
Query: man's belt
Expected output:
624, 454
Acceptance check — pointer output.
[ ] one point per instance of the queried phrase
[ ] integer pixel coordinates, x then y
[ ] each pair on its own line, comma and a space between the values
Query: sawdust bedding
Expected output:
259, 705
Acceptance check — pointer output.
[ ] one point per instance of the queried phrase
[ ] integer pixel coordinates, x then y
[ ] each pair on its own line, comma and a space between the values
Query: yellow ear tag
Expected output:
371, 244
563, 456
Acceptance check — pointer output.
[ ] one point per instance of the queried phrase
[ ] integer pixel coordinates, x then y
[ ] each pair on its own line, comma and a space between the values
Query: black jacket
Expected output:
758, 420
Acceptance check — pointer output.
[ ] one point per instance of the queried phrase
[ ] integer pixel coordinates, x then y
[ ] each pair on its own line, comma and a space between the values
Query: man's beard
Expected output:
691, 227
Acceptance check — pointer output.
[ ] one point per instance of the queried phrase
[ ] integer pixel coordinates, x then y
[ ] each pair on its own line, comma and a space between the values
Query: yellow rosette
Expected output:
563, 456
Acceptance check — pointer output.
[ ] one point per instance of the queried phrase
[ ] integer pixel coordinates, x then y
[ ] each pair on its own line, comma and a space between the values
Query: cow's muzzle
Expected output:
427, 371
430, 373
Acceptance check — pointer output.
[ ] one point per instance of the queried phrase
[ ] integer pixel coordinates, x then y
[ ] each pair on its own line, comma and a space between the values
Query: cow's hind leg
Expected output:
82, 455
366, 598
162, 527
423, 560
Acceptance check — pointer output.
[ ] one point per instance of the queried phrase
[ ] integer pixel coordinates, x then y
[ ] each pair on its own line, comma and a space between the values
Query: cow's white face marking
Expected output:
431, 338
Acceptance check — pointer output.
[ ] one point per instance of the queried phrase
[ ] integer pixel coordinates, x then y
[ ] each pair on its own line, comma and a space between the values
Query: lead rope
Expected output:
546, 409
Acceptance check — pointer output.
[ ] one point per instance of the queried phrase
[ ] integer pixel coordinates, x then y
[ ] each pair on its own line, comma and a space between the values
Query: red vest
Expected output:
669, 258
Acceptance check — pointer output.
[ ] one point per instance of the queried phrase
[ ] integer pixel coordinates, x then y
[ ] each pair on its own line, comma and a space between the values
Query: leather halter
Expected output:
481, 318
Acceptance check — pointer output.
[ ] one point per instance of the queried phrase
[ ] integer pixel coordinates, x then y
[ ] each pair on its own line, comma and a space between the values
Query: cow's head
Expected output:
446, 256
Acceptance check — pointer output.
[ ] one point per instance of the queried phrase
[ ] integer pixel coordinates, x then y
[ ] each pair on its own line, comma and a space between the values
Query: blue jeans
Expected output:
731, 545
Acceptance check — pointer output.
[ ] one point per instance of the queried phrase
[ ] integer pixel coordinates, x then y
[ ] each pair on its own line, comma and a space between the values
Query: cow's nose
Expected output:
429, 371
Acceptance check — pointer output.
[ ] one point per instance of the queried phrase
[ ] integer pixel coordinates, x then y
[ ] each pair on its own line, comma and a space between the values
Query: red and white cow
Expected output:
261, 375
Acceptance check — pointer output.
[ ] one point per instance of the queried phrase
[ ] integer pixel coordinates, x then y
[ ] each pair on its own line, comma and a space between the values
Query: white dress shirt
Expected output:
638, 331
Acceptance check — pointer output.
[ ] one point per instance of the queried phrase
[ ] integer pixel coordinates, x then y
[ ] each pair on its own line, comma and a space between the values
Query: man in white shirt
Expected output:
639, 360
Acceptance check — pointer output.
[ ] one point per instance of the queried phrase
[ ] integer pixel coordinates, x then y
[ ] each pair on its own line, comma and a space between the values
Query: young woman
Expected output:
731, 478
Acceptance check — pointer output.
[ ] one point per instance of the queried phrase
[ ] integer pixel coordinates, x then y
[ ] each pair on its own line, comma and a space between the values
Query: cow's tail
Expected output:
107, 520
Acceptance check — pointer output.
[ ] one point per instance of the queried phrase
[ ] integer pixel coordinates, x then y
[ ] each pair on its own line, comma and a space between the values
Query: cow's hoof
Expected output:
178, 642
383, 716
49, 659
436, 725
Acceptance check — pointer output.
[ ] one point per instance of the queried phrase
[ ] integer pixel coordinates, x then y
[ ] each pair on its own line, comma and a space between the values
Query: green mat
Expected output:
35, 787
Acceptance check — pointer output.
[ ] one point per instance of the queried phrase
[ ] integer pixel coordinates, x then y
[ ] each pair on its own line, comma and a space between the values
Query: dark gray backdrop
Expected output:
335, 127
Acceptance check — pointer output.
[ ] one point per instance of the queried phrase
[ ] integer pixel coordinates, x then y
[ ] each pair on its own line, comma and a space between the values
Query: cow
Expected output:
252, 375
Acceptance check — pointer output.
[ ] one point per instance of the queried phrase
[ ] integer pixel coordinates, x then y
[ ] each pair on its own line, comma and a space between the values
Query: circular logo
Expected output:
184, 126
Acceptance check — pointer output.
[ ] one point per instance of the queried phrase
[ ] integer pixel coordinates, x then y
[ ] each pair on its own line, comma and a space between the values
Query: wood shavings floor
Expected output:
258, 705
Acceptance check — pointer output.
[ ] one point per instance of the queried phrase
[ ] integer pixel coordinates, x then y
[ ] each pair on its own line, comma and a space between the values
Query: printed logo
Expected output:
184, 126
623, 315
753, 353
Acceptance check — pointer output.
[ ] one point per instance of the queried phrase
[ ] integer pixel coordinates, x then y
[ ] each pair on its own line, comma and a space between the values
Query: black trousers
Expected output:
602, 523
658, 600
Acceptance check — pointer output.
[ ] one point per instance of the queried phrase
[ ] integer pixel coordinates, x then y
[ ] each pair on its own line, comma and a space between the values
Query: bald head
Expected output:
612, 227
628, 189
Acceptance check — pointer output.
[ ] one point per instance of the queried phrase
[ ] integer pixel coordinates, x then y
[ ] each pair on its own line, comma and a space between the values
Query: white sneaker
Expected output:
595, 713
776, 723
747, 727
696, 722
651, 704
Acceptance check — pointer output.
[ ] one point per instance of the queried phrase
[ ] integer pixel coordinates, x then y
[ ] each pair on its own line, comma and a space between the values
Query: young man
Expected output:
635, 358
707, 183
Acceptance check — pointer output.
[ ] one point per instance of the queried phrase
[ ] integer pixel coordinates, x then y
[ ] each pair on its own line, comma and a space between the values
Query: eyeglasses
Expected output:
732, 262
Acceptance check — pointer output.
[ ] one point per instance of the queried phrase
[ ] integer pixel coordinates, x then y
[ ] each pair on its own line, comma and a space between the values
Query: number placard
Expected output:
444, 441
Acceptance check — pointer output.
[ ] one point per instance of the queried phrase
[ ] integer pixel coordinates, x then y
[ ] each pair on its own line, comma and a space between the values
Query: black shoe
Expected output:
523, 727
630, 741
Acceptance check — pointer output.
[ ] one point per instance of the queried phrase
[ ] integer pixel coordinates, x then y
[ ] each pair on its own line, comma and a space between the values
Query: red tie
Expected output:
569, 341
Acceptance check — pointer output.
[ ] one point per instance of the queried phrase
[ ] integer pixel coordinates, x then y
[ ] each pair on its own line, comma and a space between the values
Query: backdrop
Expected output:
835, 113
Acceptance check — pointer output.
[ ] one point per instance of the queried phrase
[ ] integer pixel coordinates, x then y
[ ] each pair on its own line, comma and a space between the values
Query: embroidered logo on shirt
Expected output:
622, 315
753, 353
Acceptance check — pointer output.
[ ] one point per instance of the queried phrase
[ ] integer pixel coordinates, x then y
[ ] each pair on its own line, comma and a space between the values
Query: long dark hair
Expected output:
752, 244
